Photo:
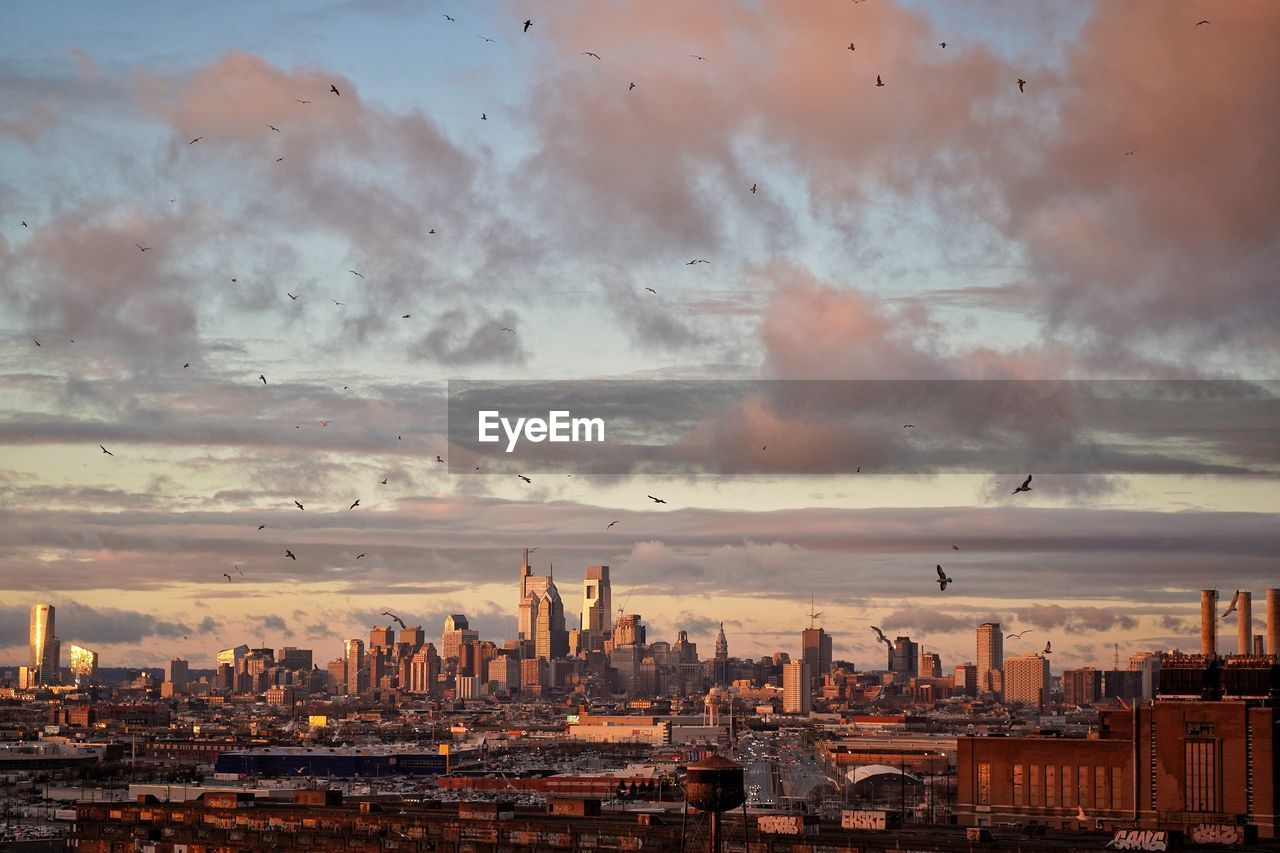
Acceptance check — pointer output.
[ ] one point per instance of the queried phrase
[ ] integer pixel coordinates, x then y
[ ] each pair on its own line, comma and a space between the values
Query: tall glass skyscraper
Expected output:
44, 645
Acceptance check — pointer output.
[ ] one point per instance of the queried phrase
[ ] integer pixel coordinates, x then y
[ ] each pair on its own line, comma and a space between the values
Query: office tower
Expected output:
629, 631
178, 674
1273, 622
232, 657
1209, 623
504, 673
44, 645
533, 674
1148, 665
84, 663
424, 668
930, 664
816, 643
414, 636
990, 655
1244, 626
293, 658
382, 638
337, 670
904, 657
966, 679
1025, 679
797, 695
550, 637
1081, 686
720, 663
456, 632
357, 674
596, 621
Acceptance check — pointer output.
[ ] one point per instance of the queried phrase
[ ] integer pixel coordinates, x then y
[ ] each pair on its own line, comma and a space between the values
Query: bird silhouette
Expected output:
1080, 815
334, 89
1018, 636
438, 459
291, 296
24, 222
523, 477
942, 44
651, 290
194, 141
486, 38
632, 86
298, 505
880, 637
240, 570
589, 53
1021, 83
1048, 648
908, 426
484, 117
185, 366
699, 58
324, 423
753, 189
943, 580
1231, 608
289, 554
851, 47
403, 626
1130, 153
273, 127
610, 524
527, 24
336, 302
302, 101
955, 547
1199, 23
353, 272
142, 248
37, 343
262, 526
1025, 487
227, 576
359, 556
448, 18
354, 505
505, 329
879, 82
384, 480
656, 500
104, 450
263, 378
404, 316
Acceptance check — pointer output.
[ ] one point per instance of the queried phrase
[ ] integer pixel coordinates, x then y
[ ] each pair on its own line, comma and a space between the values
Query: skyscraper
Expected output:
456, 632
720, 663
178, 674
357, 675
904, 657
84, 663
816, 643
44, 645
382, 638
596, 620
797, 697
1025, 679
541, 613
990, 655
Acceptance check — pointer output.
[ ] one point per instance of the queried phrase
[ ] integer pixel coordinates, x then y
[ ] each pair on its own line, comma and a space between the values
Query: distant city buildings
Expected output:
990, 658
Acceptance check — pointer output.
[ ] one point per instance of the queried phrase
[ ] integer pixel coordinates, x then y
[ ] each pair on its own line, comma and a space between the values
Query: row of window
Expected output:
1058, 787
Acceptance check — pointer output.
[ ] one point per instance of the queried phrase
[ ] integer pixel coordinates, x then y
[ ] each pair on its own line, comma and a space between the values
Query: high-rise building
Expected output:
44, 646
232, 657
990, 655
178, 674
456, 632
84, 663
1081, 686
424, 667
541, 613
357, 673
904, 657
966, 679
816, 643
720, 663
930, 664
797, 696
414, 636
293, 658
596, 621
1026, 678
337, 670
382, 638
629, 631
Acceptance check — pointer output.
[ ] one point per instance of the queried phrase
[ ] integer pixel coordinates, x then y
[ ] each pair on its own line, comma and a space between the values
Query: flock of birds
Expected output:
943, 580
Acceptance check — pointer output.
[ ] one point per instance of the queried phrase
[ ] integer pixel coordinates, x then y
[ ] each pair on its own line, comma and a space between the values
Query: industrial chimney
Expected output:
1244, 642
1209, 623
1273, 621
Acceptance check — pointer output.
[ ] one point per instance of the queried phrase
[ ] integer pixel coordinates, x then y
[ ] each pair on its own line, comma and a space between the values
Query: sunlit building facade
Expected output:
44, 646
84, 663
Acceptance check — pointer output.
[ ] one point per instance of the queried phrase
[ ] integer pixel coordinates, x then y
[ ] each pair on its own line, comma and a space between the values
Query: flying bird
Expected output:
1231, 608
1130, 153
291, 296
523, 477
240, 570
1048, 648
1080, 815
261, 526
1021, 84
1198, 23
37, 343
527, 24
404, 316
273, 127
384, 480
233, 281
589, 53
651, 290
279, 159
1018, 636
298, 505
697, 261
656, 500
699, 58
194, 141
955, 547
142, 248
301, 101
188, 364
908, 426
359, 556
632, 86
879, 82
324, 423
880, 637
334, 89
438, 459
403, 626
24, 222
484, 117
354, 505
227, 576
505, 329
336, 302
942, 44
943, 580
447, 18
851, 47
263, 378
486, 38
289, 554
1025, 487
753, 189
104, 450
610, 524
353, 272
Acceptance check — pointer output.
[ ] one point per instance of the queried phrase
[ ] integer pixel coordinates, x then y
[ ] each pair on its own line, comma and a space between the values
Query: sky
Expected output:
1119, 218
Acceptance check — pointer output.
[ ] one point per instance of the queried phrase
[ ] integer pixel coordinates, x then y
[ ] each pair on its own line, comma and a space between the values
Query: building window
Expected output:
1082, 792
1034, 799
1051, 786
1066, 785
1019, 787
1202, 775
1100, 797
984, 784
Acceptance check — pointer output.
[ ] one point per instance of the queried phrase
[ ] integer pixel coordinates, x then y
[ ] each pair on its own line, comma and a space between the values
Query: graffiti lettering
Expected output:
1140, 839
1216, 833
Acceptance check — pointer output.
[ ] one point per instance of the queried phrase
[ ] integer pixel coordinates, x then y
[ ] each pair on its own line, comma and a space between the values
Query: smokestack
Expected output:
1209, 623
1273, 621
1244, 641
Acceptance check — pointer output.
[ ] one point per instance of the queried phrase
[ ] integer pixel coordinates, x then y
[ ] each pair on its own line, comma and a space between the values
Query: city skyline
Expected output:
229, 293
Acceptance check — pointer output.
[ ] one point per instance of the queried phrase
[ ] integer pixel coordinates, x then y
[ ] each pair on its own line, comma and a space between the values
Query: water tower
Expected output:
714, 786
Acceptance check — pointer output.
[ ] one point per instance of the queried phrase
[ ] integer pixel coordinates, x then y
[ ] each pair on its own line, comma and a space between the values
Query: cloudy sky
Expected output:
1120, 218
